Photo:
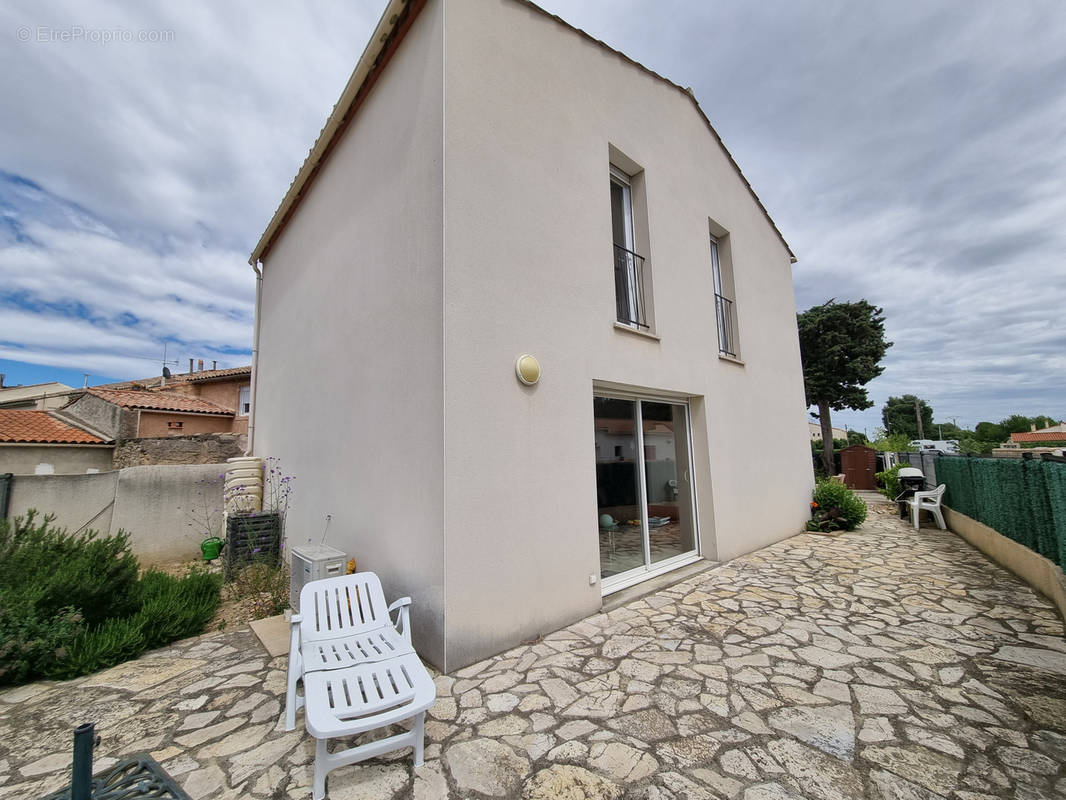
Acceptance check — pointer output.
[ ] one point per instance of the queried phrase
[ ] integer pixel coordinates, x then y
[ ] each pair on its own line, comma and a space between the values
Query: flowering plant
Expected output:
277, 487
835, 508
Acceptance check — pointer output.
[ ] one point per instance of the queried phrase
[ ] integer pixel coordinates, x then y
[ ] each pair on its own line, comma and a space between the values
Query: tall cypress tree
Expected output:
842, 345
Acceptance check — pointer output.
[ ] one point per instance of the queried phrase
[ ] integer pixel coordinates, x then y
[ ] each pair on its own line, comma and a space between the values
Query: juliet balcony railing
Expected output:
629, 287
723, 308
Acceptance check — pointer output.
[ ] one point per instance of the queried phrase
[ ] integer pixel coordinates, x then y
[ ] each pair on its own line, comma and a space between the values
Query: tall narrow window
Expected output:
723, 304
628, 266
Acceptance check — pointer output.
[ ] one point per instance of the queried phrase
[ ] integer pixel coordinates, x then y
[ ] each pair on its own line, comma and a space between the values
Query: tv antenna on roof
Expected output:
166, 369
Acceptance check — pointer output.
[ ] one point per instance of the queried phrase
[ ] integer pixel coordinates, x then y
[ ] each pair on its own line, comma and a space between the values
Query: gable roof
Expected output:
1039, 436
25, 426
155, 382
391, 28
158, 401
212, 374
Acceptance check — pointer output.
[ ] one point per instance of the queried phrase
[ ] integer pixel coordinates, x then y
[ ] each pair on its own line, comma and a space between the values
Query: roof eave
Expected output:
337, 121
365, 68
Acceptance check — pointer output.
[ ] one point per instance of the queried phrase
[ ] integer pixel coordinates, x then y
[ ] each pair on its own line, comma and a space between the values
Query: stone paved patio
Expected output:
884, 663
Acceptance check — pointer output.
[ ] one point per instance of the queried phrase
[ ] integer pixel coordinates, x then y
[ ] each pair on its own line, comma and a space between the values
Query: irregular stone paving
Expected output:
885, 663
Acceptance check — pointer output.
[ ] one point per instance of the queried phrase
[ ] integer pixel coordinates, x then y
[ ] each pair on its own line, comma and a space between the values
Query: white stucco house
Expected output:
495, 183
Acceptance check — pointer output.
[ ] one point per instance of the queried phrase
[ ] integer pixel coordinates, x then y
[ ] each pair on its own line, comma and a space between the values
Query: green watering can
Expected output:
211, 547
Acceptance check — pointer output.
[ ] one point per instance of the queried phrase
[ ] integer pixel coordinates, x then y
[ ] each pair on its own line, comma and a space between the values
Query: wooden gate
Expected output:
859, 465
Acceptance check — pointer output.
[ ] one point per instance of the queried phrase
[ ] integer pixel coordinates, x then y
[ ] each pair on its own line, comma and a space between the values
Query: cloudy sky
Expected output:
912, 153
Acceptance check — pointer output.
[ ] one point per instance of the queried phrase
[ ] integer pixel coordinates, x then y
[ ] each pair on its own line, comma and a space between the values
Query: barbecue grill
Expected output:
911, 480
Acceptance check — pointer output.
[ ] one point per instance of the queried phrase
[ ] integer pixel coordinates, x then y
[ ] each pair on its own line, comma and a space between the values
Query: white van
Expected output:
936, 445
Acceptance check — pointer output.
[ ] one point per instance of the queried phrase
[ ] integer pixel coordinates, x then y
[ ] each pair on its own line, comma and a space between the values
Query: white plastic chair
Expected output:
343, 622
929, 501
344, 702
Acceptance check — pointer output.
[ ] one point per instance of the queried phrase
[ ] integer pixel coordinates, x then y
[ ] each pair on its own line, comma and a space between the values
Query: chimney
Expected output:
190, 366
214, 365
200, 365
1032, 426
2, 376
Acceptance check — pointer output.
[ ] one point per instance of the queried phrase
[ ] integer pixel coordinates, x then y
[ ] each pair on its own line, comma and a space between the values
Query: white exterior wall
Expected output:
531, 110
350, 377
461, 221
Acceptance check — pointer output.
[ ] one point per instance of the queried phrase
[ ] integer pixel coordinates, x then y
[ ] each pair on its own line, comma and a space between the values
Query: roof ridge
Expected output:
389, 28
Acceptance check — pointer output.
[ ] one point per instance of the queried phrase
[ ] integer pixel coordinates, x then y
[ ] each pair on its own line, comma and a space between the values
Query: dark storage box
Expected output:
252, 537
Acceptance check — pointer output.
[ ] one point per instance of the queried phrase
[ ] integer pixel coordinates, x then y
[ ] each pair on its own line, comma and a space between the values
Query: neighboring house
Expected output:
39, 396
816, 432
36, 443
1046, 436
228, 388
494, 182
130, 413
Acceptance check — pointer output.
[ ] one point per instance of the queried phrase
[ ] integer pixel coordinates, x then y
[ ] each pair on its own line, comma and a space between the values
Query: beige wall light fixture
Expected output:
527, 368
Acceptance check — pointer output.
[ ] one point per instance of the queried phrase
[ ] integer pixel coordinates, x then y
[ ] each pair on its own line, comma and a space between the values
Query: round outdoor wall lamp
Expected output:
527, 368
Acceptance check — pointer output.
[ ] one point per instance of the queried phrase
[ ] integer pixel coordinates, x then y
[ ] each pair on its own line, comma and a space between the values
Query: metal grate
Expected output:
135, 777
629, 287
723, 308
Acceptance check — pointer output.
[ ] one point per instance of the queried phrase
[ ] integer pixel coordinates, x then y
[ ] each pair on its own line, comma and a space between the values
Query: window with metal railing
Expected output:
629, 287
630, 303
723, 305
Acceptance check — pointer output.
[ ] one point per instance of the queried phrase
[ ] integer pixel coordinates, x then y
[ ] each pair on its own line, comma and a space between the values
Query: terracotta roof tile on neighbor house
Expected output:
156, 382
158, 401
40, 427
1038, 436
211, 374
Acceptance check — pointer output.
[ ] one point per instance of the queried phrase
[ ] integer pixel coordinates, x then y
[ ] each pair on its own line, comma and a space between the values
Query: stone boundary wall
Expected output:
201, 448
1039, 572
161, 506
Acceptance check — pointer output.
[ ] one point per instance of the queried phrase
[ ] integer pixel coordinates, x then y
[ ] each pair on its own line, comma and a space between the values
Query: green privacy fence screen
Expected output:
1023, 499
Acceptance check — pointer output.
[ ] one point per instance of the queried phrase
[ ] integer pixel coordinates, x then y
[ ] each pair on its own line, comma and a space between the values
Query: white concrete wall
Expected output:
350, 382
532, 108
154, 504
29, 459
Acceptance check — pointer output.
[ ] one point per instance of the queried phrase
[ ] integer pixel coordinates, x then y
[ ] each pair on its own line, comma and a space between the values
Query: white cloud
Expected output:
912, 154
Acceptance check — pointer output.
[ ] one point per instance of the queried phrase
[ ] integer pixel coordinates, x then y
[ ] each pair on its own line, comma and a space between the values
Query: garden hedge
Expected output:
1023, 499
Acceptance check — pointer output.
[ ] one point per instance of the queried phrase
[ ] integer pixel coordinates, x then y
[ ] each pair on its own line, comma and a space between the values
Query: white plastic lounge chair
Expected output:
929, 501
343, 702
343, 622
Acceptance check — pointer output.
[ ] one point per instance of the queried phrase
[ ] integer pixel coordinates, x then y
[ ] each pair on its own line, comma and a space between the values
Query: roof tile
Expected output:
1039, 436
40, 427
158, 401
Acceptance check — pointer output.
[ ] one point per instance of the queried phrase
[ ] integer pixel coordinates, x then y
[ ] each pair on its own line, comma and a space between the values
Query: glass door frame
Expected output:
624, 580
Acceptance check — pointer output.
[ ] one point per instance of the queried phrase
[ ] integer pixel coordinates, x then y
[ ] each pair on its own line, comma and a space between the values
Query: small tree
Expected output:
990, 432
898, 416
842, 345
857, 437
892, 443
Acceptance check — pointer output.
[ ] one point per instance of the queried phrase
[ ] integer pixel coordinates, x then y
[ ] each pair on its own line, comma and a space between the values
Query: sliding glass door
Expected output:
645, 500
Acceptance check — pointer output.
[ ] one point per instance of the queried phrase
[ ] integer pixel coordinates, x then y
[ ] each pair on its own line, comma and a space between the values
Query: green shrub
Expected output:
29, 644
49, 569
113, 642
73, 603
835, 507
889, 482
176, 608
173, 608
